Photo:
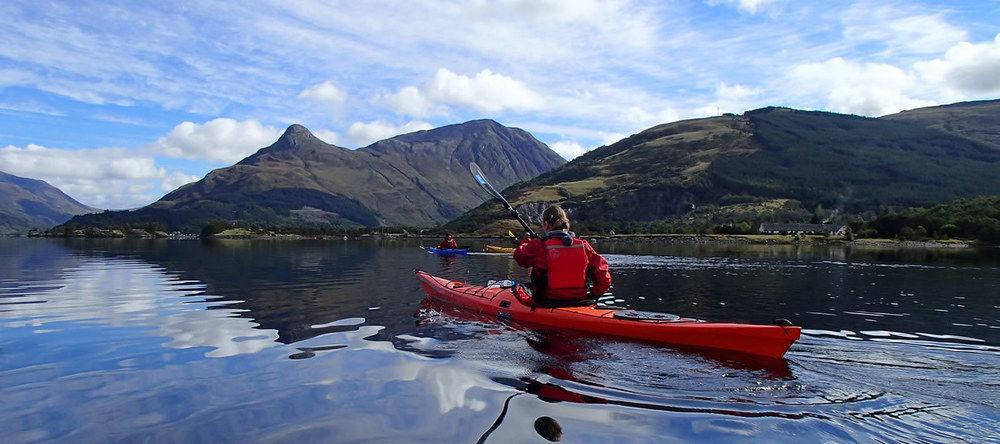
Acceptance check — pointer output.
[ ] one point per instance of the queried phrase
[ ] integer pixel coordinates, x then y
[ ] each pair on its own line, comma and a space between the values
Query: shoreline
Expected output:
691, 239
772, 239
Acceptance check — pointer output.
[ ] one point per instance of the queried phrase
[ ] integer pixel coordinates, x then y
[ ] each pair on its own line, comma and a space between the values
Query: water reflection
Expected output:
134, 295
268, 341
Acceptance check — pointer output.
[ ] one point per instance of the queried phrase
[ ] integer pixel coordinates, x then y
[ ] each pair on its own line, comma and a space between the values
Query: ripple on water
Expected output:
172, 358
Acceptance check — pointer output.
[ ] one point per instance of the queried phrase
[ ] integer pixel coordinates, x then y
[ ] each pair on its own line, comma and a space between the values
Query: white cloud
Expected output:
967, 71
640, 119
326, 93
208, 58
730, 99
748, 6
900, 30
869, 89
31, 107
174, 181
409, 101
968, 68
223, 140
327, 136
610, 138
486, 91
364, 133
125, 120
100, 177
568, 149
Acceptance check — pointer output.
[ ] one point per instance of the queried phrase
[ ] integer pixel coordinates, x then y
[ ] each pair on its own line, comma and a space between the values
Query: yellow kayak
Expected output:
493, 249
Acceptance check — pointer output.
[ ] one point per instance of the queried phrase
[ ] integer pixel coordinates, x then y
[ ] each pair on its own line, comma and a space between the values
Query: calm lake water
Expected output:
237, 341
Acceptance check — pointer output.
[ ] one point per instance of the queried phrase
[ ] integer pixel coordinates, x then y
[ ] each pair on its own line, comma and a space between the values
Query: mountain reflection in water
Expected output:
334, 341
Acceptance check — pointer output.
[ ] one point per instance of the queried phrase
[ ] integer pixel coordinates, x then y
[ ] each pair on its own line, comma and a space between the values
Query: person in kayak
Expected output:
448, 243
562, 263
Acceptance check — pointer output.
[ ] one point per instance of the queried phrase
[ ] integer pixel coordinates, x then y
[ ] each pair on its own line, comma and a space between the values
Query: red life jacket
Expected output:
566, 274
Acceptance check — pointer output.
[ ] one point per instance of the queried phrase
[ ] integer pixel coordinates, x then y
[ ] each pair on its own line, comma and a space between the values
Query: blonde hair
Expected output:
555, 217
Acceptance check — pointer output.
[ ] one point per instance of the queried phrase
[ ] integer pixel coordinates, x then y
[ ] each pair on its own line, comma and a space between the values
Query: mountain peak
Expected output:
296, 132
295, 137
456, 131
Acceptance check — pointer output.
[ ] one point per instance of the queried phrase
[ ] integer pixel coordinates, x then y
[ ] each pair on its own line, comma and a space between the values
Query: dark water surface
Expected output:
184, 341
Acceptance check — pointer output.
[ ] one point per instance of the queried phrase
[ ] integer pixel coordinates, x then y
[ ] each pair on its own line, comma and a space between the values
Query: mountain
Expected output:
29, 203
416, 179
979, 121
771, 164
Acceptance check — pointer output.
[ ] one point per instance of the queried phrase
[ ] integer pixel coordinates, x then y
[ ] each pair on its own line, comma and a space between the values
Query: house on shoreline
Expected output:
820, 229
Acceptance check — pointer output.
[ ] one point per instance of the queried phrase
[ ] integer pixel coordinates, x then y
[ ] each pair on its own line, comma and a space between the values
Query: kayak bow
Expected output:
771, 341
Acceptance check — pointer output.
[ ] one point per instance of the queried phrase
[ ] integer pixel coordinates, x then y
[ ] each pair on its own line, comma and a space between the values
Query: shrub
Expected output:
215, 227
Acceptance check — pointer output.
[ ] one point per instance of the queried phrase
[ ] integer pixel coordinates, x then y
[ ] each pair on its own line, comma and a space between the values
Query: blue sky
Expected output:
118, 103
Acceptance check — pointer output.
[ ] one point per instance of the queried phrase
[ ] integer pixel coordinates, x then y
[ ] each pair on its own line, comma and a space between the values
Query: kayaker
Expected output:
448, 243
562, 263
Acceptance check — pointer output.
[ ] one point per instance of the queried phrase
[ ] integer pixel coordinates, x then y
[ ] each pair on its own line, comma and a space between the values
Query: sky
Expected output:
118, 103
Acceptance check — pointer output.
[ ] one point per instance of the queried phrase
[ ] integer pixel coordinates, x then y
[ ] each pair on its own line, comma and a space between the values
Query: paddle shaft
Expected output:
483, 182
520, 219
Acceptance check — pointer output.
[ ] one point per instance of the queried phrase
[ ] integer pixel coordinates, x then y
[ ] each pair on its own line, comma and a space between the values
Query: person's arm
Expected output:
525, 253
598, 269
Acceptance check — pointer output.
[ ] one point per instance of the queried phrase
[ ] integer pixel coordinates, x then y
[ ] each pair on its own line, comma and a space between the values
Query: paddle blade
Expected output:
477, 174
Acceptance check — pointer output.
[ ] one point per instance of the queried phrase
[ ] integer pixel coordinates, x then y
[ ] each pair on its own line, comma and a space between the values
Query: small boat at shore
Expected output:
495, 249
447, 251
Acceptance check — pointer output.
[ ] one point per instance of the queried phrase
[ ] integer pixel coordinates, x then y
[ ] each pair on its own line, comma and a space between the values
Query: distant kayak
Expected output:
770, 341
448, 252
495, 249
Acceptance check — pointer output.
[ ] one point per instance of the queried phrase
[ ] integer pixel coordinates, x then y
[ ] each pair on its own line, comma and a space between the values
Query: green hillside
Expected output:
771, 164
979, 120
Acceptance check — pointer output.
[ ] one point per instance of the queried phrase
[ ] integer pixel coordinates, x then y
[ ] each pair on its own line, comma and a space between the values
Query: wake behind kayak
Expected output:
769, 341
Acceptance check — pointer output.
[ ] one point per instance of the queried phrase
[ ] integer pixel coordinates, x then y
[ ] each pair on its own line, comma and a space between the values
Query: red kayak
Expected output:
771, 341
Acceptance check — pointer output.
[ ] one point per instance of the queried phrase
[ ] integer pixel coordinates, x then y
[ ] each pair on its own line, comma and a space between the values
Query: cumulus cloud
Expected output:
966, 71
568, 149
409, 101
730, 99
639, 118
174, 181
364, 133
486, 91
327, 136
869, 89
326, 93
221, 140
966, 67
100, 177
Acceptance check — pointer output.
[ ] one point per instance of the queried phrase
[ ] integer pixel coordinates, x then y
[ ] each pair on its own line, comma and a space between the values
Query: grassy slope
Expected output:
979, 121
769, 164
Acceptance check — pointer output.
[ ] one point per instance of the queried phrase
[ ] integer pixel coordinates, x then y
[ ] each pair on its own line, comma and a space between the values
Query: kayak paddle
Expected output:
483, 182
